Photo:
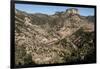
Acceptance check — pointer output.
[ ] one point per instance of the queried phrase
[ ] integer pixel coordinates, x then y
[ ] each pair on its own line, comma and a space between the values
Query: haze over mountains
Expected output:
65, 37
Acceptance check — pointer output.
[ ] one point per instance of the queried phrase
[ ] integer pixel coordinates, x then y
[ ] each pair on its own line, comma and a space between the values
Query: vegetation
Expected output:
50, 39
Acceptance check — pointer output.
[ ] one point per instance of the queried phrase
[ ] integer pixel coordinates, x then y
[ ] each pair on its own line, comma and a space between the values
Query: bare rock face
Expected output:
72, 11
64, 37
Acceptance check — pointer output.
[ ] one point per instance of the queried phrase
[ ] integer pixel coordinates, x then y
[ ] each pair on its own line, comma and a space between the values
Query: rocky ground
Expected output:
50, 39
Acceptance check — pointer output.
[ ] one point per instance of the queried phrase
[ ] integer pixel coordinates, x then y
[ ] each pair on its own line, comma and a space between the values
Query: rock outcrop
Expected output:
72, 11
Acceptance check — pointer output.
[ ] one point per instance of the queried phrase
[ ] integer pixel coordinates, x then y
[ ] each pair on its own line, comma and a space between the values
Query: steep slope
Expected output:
59, 38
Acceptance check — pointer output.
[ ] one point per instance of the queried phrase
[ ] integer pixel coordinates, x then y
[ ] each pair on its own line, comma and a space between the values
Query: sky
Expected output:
50, 10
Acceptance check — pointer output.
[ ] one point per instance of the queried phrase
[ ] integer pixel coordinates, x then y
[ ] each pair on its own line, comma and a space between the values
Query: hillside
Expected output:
65, 37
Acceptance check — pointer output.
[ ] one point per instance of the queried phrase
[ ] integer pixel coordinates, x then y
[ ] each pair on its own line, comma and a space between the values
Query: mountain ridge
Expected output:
48, 39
